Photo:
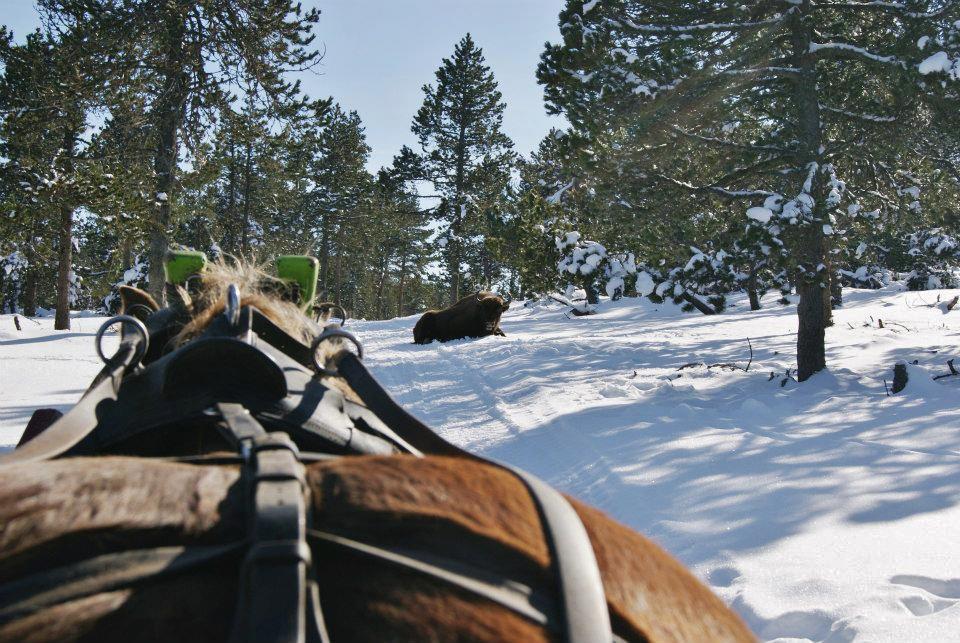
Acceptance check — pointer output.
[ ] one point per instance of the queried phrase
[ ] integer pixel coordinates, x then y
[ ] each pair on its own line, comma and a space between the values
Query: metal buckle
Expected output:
138, 326
330, 332
333, 307
232, 309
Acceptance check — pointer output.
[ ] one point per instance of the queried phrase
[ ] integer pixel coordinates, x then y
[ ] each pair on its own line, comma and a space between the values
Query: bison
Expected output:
476, 315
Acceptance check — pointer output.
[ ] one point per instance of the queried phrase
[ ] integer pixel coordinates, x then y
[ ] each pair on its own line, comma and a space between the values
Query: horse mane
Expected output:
257, 288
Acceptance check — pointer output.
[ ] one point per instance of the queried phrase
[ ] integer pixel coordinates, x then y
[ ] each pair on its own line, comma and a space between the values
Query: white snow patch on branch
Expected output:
555, 197
843, 46
940, 62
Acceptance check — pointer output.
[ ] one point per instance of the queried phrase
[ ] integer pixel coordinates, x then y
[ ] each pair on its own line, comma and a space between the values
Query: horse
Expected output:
182, 518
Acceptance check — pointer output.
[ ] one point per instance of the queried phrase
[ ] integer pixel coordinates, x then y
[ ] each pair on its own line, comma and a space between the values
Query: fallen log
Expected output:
579, 310
953, 371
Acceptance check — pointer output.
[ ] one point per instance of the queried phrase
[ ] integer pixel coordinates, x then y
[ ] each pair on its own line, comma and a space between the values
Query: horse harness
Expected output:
275, 379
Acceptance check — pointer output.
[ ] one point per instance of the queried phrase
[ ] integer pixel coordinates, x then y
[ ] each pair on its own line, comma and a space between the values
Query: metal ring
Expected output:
189, 284
329, 332
134, 307
232, 309
138, 326
343, 315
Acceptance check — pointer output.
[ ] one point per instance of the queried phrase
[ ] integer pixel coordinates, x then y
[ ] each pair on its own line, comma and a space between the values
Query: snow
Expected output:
556, 196
761, 215
645, 283
821, 511
939, 62
845, 46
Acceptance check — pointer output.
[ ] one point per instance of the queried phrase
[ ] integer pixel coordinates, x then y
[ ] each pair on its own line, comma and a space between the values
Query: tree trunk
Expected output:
836, 292
829, 279
245, 235
811, 311
126, 253
593, 296
453, 265
752, 293
64, 264
168, 119
231, 217
325, 253
339, 276
458, 209
698, 303
827, 302
30, 293
384, 262
65, 244
403, 274
487, 264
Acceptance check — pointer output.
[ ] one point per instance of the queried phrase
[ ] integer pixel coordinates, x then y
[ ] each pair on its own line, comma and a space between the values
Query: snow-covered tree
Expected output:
724, 101
935, 259
13, 272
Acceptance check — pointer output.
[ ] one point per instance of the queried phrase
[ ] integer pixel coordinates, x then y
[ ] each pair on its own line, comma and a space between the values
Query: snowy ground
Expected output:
826, 511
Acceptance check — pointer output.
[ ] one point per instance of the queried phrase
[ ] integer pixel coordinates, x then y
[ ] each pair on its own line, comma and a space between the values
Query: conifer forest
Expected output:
709, 148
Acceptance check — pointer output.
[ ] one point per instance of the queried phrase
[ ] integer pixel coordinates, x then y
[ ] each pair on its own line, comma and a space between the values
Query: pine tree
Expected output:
45, 101
717, 101
464, 152
341, 184
186, 56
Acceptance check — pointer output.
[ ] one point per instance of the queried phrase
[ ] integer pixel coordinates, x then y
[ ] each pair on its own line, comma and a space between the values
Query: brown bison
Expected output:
476, 315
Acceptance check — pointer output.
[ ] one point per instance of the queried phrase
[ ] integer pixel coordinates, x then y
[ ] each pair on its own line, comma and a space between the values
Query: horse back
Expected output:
61, 512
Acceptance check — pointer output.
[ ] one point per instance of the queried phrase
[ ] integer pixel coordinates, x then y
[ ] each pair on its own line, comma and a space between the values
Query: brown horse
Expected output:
442, 512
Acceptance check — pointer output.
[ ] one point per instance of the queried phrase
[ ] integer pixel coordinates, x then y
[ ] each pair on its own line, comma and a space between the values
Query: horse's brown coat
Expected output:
67, 510
476, 315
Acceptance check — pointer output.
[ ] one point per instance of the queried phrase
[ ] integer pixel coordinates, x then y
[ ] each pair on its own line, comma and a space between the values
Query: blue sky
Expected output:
379, 53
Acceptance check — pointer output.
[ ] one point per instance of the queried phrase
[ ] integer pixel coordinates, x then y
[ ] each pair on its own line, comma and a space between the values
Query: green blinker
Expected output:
181, 264
302, 269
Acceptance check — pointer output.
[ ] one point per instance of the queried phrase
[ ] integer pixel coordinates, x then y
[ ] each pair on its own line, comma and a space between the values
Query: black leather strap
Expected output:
272, 607
105, 573
511, 594
240, 427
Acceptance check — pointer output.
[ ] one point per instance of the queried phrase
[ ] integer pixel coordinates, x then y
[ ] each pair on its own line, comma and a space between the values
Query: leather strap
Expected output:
105, 573
511, 594
241, 427
274, 590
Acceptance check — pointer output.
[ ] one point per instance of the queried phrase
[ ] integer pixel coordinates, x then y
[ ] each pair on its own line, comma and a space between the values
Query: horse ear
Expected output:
136, 302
